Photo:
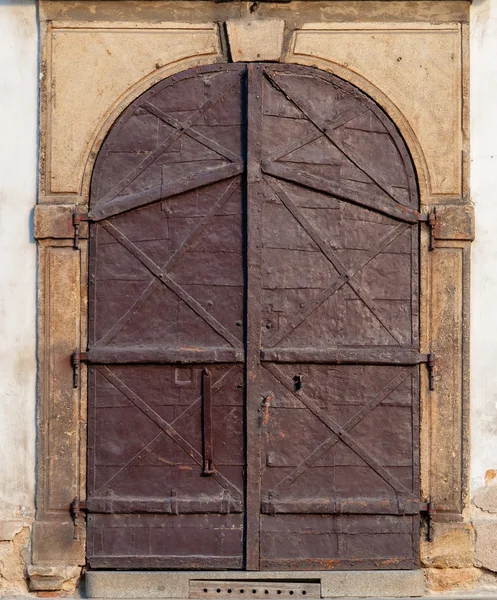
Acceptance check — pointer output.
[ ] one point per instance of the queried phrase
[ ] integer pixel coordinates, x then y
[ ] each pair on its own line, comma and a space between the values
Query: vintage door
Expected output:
253, 328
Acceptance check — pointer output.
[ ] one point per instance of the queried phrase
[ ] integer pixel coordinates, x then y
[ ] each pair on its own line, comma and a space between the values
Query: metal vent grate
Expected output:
254, 589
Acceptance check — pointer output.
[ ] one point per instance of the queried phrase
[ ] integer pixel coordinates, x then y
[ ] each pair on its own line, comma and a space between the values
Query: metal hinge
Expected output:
76, 359
79, 216
430, 365
429, 360
431, 220
76, 507
428, 510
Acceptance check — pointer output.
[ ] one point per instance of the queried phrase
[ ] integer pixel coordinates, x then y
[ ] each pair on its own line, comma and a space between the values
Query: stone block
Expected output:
14, 555
138, 584
452, 546
174, 584
455, 223
59, 335
49, 578
255, 40
372, 583
442, 580
54, 543
486, 543
55, 221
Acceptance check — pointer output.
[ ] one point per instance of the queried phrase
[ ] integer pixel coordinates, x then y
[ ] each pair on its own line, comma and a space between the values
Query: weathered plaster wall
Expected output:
484, 196
484, 281
18, 160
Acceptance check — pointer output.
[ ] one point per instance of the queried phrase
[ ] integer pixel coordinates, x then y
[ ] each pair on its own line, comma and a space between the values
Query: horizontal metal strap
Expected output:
173, 505
382, 355
161, 561
348, 506
108, 355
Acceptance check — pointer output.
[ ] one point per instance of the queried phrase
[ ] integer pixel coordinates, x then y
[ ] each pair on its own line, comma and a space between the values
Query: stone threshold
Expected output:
176, 584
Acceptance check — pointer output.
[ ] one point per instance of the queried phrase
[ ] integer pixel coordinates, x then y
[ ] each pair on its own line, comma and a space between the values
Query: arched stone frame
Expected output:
444, 312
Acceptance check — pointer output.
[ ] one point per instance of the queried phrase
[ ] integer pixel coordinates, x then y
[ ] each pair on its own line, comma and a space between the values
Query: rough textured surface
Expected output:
301, 12
90, 68
485, 497
448, 310
61, 418
14, 556
56, 221
452, 546
251, 40
455, 223
9, 529
53, 578
418, 67
157, 584
443, 580
486, 543
347, 542
484, 249
366, 584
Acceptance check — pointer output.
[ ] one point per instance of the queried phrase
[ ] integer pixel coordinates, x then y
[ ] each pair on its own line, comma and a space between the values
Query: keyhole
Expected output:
298, 383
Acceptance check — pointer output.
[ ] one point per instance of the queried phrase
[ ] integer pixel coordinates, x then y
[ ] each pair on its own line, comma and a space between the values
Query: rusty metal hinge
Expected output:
79, 216
431, 220
429, 360
76, 507
430, 365
428, 510
76, 359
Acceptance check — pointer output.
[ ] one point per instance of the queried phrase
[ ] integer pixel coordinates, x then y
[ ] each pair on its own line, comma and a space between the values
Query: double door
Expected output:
253, 328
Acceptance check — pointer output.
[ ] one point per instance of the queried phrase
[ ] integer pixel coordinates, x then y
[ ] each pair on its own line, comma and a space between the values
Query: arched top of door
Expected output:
313, 129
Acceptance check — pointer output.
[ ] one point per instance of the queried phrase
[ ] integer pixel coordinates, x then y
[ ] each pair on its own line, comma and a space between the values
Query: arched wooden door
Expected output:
253, 341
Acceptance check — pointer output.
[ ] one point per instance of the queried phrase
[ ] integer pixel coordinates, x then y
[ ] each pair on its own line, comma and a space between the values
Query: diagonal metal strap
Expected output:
166, 427
206, 219
336, 139
195, 135
150, 447
222, 90
166, 190
342, 192
336, 262
171, 284
187, 244
340, 121
345, 275
349, 425
339, 431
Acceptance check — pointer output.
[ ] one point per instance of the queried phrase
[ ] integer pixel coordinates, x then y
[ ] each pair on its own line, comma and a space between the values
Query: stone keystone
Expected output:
252, 41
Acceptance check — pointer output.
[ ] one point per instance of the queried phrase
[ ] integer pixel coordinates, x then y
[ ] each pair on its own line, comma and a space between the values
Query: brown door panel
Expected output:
253, 340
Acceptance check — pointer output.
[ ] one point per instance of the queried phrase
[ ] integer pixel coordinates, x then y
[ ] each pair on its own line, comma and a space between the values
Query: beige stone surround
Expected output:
410, 56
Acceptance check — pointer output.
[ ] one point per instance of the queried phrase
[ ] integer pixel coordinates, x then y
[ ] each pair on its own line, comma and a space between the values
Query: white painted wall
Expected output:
484, 264
18, 172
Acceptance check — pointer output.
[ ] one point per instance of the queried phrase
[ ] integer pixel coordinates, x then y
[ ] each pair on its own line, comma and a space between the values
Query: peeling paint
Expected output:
489, 475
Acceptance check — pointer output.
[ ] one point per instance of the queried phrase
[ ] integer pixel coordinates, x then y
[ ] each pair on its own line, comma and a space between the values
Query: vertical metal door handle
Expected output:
207, 422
